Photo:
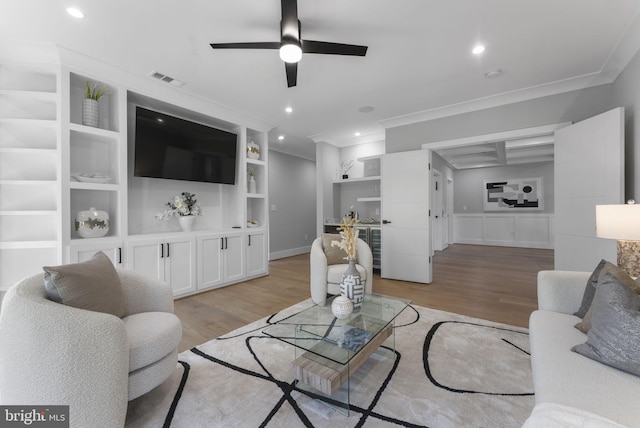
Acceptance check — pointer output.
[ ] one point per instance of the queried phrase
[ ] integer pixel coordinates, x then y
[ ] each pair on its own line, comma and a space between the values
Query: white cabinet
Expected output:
220, 260
84, 251
256, 254
169, 259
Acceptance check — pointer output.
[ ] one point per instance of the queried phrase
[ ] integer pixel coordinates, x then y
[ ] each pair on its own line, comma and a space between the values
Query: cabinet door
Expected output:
256, 254
81, 253
179, 268
210, 270
147, 258
233, 258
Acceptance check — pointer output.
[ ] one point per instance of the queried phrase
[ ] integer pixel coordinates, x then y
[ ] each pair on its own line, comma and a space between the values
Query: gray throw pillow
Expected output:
93, 285
614, 337
622, 276
590, 290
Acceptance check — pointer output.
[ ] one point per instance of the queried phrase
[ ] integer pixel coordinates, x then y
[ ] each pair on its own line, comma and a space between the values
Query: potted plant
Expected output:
185, 207
90, 107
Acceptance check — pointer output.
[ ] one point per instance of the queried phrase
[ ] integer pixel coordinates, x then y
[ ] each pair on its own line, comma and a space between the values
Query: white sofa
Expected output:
570, 389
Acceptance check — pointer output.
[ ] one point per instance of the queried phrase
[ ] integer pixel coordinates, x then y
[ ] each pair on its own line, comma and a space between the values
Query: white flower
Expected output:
182, 205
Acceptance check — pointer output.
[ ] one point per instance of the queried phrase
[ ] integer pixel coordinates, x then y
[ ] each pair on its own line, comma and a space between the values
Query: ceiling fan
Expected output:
292, 46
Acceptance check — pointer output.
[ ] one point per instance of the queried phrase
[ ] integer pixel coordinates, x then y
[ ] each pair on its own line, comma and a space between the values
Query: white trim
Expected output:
540, 91
289, 253
497, 136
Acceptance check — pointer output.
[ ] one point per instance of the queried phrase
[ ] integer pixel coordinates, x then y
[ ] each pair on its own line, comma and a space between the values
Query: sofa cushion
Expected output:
93, 285
152, 336
622, 276
590, 289
335, 255
567, 378
335, 272
614, 337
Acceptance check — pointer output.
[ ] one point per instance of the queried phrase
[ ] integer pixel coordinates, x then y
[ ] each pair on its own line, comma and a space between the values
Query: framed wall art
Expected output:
513, 194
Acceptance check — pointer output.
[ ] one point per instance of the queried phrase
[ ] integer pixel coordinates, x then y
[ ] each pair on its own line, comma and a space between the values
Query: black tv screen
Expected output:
177, 149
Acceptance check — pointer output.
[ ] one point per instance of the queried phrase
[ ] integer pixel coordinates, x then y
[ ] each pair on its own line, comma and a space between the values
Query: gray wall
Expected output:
292, 189
626, 93
468, 192
568, 107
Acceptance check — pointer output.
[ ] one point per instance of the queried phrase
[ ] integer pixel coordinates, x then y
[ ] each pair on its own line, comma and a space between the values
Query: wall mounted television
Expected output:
177, 149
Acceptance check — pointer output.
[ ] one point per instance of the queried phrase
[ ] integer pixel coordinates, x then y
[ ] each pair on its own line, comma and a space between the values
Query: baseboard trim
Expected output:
289, 253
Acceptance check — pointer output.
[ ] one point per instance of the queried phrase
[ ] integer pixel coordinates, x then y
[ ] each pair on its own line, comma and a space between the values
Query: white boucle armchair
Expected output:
53, 354
326, 277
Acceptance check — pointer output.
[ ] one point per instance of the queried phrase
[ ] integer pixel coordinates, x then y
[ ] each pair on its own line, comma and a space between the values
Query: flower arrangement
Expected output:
94, 92
250, 171
349, 234
345, 166
182, 205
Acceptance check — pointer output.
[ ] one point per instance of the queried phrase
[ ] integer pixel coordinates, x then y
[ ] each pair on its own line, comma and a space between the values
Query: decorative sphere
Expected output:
342, 307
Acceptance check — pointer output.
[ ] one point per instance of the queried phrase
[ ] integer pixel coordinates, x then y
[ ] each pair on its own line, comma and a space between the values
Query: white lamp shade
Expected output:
290, 52
618, 222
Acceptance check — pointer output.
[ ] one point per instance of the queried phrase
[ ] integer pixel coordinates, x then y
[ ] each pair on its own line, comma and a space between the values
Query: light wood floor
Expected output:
492, 283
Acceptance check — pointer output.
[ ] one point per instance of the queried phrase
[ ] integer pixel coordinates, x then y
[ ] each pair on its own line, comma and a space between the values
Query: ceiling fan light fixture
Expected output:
290, 52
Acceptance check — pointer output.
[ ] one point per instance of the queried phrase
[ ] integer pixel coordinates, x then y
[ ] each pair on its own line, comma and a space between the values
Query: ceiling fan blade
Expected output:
315, 47
289, 25
292, 73
247, 45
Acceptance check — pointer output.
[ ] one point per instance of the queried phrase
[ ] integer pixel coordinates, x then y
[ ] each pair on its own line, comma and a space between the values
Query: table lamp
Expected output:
622, 222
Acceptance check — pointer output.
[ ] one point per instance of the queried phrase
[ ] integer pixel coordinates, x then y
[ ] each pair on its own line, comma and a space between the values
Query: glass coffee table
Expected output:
328, 350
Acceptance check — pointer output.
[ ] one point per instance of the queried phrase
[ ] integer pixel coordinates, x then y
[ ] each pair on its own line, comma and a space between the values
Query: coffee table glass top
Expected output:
317, 331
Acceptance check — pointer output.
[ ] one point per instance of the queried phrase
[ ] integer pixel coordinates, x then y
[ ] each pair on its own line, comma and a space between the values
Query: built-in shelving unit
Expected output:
48, 163
29, 169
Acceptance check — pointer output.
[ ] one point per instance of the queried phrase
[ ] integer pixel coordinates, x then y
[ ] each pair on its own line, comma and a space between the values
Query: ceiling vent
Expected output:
167, 79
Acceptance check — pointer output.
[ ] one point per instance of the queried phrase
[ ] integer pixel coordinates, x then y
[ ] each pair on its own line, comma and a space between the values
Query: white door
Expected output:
589, 171
147, 257
256, 260
448, 214
437, 212
233, 258
406, 245
210, 270
179, 268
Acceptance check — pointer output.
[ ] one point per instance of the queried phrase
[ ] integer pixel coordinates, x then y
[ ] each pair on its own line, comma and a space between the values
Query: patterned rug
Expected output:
449, 371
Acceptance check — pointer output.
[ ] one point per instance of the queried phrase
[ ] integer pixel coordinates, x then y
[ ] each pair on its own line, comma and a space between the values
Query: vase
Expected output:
351, 286
92, 223
342, 307
252, 185
90, 112
253, 150
186, 222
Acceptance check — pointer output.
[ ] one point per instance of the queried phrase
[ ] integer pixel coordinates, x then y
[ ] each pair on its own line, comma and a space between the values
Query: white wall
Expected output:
292, 190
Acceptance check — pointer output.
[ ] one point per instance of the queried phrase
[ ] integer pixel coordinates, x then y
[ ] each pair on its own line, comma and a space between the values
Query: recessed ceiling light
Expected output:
75, 12
357, 134
288, 109
492, 74
366, 109
478, 49
281, 137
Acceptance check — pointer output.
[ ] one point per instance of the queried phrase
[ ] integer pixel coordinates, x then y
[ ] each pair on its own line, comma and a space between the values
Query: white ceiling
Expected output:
419, 60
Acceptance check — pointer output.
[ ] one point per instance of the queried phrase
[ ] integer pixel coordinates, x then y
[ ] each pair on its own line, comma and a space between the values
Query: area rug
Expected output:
449, 370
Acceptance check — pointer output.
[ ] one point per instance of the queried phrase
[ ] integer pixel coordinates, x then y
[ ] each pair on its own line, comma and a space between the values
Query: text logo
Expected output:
34, 416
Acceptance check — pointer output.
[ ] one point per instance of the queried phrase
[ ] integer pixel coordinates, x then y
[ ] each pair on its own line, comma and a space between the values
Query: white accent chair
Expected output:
53, 354
326, 275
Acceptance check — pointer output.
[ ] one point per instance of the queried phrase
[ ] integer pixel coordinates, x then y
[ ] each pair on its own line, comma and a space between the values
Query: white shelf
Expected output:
105, 134
26, 245
28, 151
22, 213
28, 182
50, 97
49, 123
357, 179
255, 161
256, 195
108, 187
370, 199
